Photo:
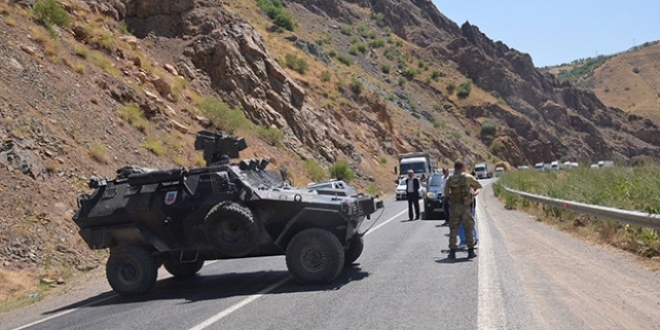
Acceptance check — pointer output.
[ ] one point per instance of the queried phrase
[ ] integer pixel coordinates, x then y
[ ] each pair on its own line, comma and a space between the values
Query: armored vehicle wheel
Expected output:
131, 270
183, 269
231, 228
355, 247
315, 256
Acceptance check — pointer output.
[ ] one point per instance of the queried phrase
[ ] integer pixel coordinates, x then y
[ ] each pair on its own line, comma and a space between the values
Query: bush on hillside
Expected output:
314, 170
280, 16
222, 115
341, 171
51, 12
464, 89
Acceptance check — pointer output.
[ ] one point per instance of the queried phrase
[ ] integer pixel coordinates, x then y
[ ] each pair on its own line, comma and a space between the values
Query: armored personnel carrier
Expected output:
179, 218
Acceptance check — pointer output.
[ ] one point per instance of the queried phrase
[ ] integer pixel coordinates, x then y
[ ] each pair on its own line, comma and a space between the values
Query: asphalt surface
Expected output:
402, 281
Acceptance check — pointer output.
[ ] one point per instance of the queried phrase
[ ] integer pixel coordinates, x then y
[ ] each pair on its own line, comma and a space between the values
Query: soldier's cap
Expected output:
459, 164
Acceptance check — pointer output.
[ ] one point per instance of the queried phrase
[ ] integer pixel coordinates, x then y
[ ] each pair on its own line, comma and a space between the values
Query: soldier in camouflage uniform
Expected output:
457, 189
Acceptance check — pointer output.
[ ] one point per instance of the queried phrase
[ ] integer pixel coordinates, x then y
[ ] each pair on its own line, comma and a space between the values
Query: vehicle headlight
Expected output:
431, 195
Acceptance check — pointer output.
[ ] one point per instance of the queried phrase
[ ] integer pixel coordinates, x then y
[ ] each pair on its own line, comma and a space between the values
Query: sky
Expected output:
560, 31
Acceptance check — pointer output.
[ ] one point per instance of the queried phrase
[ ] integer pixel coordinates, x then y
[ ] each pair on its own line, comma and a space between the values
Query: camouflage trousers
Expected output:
460, 213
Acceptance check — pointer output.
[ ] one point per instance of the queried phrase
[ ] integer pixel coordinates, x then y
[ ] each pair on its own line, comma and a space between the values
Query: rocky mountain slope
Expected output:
629, 80
128, 81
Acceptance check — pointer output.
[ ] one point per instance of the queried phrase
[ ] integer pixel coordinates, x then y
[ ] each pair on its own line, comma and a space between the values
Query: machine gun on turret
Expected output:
216, 145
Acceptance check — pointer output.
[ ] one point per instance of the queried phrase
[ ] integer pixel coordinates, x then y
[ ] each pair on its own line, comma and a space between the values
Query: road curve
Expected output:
527, 276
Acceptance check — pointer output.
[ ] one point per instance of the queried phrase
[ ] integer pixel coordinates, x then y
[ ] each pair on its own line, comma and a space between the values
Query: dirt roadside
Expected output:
573, 284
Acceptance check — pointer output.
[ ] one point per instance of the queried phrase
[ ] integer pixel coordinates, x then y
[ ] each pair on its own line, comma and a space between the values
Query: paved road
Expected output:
402, 281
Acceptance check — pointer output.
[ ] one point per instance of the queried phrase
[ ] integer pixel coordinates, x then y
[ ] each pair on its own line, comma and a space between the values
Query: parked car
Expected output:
499, 171
433, 196
539, 166
401, 190
333, 187
523, 167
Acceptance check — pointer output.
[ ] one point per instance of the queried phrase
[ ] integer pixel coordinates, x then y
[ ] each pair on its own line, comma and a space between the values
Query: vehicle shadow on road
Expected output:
201, 288
452, 261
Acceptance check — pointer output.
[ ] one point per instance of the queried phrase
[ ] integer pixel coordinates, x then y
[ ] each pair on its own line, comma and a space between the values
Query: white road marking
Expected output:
62, 313
217, 317
490, 313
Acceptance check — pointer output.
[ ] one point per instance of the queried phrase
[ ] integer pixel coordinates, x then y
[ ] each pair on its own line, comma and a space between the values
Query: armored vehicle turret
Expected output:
179, 218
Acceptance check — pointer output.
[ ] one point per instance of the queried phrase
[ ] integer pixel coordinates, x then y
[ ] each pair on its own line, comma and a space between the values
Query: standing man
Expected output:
412, 194
445, 204
457, 188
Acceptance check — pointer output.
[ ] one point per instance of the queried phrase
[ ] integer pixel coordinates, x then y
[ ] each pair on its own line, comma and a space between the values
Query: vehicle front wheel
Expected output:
131, 270
355, 248
183, 269
315, 256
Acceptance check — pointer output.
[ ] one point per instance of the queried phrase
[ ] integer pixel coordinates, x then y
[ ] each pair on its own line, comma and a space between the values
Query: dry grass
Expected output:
133, 114
15, 288
10, 21
98, 151
154, 145
626, 188
102, 62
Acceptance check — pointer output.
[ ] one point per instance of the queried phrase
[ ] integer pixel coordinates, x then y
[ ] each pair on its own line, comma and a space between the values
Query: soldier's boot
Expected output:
452, 254
471, 254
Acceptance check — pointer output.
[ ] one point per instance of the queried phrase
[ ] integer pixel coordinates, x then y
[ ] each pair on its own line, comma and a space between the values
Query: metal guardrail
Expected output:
632, 217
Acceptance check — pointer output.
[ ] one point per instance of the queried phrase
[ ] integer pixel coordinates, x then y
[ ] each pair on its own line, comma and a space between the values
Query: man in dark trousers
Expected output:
412, 194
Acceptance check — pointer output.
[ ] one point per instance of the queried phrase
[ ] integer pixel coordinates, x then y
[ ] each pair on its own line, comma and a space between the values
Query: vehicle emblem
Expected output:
170, 197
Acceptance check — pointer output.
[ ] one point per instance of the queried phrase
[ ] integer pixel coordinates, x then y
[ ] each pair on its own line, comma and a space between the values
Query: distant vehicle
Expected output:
499, 171
568, 164
555, 165
539, 166
433, 196
419, 162
401, 190
594, 166
523, 167
605, 163
483, 170
333, 187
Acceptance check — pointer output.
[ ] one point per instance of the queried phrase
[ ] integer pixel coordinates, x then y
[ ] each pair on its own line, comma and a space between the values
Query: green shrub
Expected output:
385, 68
410, 73
464, 89
271, 135
346, 30
391, 53
422, 64
636, 70
134, 116
344, 58
357, 48
382, 160
314, 170
435, 74
341, 171
402, 82
378, 17
275, 11
488, 128
377, 43
332, 53
356, 86
501, 101
372, 190
296, 63
362, 29
51, 12
326, 76
222, 115
451, 87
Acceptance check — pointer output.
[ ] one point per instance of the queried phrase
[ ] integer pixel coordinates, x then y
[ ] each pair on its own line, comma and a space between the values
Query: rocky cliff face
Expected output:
555, 120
